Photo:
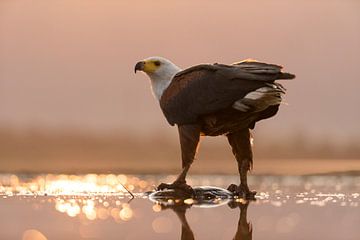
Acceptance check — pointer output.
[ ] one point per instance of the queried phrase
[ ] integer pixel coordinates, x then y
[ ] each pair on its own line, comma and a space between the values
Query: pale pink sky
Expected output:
69, 63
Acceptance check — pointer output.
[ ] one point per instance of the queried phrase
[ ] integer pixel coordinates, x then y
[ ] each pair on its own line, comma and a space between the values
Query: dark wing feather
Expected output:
264, 68
205, 89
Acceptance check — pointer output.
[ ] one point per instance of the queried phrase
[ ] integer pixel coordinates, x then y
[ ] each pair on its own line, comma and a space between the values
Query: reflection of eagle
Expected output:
215, 100
244, 228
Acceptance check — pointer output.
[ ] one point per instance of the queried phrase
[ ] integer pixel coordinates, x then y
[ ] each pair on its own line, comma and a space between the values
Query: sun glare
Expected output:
89, 197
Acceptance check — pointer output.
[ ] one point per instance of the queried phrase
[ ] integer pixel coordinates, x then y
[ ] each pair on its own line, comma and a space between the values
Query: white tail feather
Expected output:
260, 99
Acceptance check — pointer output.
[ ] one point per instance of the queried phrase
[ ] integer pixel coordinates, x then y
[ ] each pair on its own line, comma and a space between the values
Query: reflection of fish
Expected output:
213, 100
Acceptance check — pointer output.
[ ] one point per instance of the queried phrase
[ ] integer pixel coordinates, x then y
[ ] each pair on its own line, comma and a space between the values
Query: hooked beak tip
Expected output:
139, 66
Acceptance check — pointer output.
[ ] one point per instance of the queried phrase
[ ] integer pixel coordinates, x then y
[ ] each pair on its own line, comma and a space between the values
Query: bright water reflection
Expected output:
99, 206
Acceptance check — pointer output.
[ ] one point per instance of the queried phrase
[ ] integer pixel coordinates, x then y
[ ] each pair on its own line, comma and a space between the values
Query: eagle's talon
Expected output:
242, 191
162, 186
177, 186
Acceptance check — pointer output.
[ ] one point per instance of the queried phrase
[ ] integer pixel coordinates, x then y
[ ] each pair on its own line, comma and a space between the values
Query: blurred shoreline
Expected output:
36, 151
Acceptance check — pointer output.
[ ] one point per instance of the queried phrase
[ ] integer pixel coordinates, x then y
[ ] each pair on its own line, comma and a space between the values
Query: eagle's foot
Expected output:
242, 191
180, 187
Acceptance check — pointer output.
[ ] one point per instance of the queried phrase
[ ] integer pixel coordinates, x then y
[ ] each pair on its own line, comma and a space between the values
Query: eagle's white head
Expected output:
160, 70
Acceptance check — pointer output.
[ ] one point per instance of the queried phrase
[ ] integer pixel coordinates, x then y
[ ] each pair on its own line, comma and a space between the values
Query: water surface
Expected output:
117, 207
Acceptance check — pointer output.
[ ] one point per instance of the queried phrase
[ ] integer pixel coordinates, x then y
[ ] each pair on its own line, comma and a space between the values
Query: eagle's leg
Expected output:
189, 139
241, 147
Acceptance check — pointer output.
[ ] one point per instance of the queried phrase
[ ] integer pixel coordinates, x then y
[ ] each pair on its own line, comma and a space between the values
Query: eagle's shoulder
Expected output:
197, 68
193, 75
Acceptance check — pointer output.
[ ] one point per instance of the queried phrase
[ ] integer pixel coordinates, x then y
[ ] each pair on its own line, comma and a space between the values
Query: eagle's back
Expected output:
208, 88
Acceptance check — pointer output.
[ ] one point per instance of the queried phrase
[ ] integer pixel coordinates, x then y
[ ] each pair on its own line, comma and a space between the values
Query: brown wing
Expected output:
264, 68
205, 89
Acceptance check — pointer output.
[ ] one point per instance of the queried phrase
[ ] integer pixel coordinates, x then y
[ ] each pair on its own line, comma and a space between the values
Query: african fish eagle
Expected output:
212, 100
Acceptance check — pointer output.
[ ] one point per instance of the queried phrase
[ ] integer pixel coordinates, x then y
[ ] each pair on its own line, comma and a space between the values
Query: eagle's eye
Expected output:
157, 63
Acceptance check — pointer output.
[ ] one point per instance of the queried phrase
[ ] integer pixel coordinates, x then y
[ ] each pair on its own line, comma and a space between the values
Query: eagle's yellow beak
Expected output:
140, 66
147, 66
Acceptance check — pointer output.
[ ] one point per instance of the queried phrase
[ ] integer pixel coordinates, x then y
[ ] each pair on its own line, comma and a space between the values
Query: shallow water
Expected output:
118, 207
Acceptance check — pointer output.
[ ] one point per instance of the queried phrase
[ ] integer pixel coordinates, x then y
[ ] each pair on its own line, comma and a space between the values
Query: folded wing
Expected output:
206, 88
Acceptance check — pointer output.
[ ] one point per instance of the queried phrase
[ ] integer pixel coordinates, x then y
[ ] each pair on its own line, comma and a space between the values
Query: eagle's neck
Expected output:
159, 86
162, 79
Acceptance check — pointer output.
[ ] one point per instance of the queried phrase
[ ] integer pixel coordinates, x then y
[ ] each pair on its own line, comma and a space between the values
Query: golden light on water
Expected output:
93, 184
90, 197
103, 213
100, 206
94, 209
156, 207
70, 207
126, 213
189, 201
89, 210
93, 197
115, 213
